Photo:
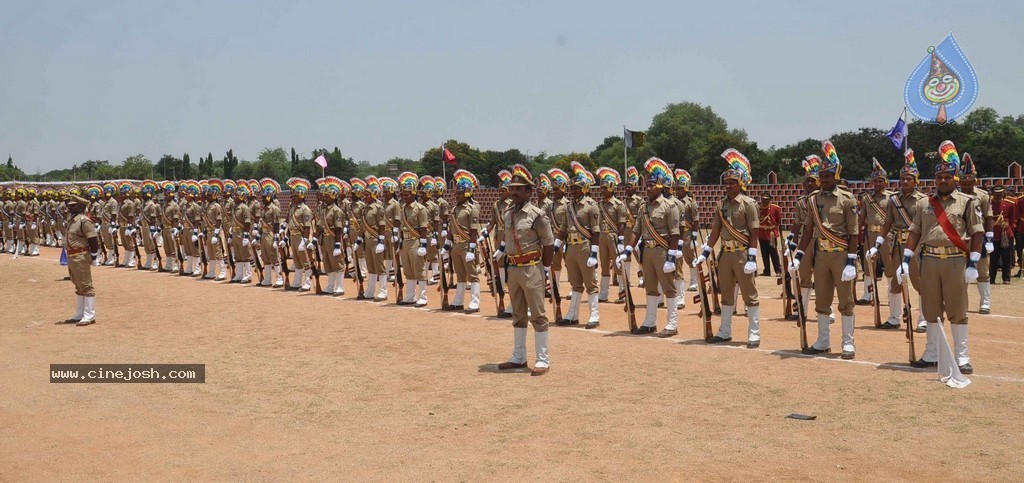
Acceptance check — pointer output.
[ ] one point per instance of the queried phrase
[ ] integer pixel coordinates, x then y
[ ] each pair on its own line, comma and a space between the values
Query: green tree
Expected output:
244, 170
272, 163
136, 167
168, 167
186, 168
564, 162
689, 135
229, 163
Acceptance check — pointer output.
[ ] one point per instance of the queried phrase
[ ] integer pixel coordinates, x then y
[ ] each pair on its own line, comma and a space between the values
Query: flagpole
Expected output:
625, 154
444, 169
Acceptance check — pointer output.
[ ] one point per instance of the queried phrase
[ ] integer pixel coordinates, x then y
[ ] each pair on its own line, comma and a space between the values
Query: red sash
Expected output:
947, 227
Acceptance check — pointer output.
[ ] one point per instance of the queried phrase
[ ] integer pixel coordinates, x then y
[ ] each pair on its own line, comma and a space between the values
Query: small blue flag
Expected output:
898, 134
63, 258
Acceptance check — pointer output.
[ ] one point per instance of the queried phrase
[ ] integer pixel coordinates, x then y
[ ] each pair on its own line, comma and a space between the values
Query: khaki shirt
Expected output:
194, 215
128, 212
963, 213
242, 216
909, 204
110, 210
95, 211
613, 215
633, 204
433, 213
498, 217
374, 220
465, 217
556, 214
838, 213
172, 214
984, 200
214, 215
393, 212
742, 212
530, 229
334, 219
663, 215
229, 211
586, 214
875, 207
414, 222
689, 217
150, 213
443, 209
302, 217
80, 231
270, 216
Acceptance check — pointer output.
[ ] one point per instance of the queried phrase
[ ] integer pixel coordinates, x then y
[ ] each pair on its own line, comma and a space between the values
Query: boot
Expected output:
753, 326
79, 310
921, 323
725, 330
268, 273
848, 348
277, 276
931, 354
246, 269
211, 268
474, 297
409, 297
542, 364
895, 312
603, 296
89, 313
680, 300
572, 315
339, 283
307, 278
805, 297
650, 323
382, 287
985, 295
519, 346
330, 283
595, 316
822, 344
223, 272
130, 263
866, 297
370, 290
460, 294
296, 279
34, 249
672, 316
148, 262
421, 299
963, 358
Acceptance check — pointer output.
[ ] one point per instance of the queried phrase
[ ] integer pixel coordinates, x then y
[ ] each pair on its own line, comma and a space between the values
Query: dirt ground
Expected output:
310, 387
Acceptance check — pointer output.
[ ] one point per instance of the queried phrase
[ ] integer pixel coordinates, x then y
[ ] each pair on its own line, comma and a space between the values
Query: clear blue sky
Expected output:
104, 80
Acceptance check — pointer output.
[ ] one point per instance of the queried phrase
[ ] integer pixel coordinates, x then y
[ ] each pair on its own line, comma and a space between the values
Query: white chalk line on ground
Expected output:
788, 353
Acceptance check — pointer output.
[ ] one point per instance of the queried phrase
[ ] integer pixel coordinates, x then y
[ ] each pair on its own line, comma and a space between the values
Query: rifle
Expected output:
283, 252
702, 296
801, 314
399, 278
629, 307
227, 249
443, 286
485, 252
181, 256
348, 262
787, 281
316, 263
869, 271
156, 252
136, 239
908, 318
495, 270
716, 289
256, 255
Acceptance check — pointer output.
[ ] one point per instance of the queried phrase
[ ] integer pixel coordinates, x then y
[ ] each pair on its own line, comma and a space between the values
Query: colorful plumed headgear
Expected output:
358, 186
830, 163
270, 186
658, 172
910, 166
215, 187
439, 185
426, 184
168, 186
298, 186
465, 182
581, 176
632, 177
608, 178
124, 186
149, 188
193, 188
811, 164
254, 186
372, 185
738, 167
682, 178
330, 186
229, 187
949, 160
345, 187
504, 178
521, 176
408, 182
93, 191
967, 167
559, 179
543, 183
242, 190
109, 188
388, 185
877, 170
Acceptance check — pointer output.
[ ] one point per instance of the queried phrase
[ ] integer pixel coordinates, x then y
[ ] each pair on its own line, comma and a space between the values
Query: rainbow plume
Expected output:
464, 180
408, 181
298, 185
270, 186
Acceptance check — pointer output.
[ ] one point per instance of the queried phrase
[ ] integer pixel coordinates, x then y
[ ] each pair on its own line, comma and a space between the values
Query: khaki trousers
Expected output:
269, 252
828, 271
299, 257
412, 264
580, 275
652, 261
80, 269
526, 291
944, 289
730, 273
464, 271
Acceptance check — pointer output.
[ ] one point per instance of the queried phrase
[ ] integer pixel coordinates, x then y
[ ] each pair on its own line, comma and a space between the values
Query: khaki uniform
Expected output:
434, 218
527, 231
898, 233
171, 219
355, 229
373, 221
270, 218
806, 271
875, 207
333, 218
125, 218
742, 214
613, 215
465, 217
657, 221
301, 218
556, 213
838, 216
580, 223
215, 220
242, 215
8, 221
33, 228
79, 258
108, 218
193, 228
984, 200
415, 224
689, 220
392, 215
149, 222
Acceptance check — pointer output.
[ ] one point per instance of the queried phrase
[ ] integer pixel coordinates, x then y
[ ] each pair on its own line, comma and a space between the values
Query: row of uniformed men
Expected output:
30, 219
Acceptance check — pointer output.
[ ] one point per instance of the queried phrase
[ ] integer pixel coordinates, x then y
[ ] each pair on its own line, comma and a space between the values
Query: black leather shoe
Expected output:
505, 366
472, 311
402, 302
923, 364
966, 369
718, 340
920, 330
753, 344
567, 322
766, 273
668, 333
644, 330
592, 325
847, 355
862, 302
888, 326
814, 351
508, 315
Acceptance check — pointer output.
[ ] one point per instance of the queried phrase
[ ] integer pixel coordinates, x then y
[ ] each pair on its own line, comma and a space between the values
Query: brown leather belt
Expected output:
525, 259
941, 252
76, 251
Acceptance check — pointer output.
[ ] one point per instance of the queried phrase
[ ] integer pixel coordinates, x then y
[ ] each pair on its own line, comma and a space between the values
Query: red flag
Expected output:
448, 157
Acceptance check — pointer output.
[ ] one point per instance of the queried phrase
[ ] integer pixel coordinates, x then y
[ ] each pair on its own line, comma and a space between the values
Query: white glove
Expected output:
444, 233
302, 245
500, 252
592, 260
558, 244
245, 241
380, 247
337, 249
989, 245
216, 231
751, 265
51, 222
904, 269
484, 233
669, 266
433, 242
470, 256
971, 273
174, 232
794, 264
33, 226
254, 233
215, 240
311, 246
195, 238
313, 241
623, 256
849, 271
705, 251
152, 229
422, 250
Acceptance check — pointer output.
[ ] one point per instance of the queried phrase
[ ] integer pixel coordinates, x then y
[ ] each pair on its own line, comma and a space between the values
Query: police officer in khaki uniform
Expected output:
373, 220
578, 239
213, 217
192, 238
528, 239
108, 222
392, 215
945, 271
149, 222
872, 208
736, 224
300, 230
633, 202
242, 235
556, 212
900, 212
462, 223
424, 195
968, 186
613, 228
832, 224
270, 236
689, 224
170, 219
415, 226
656, 232
498, 226
333, 226
126, 223
83, 246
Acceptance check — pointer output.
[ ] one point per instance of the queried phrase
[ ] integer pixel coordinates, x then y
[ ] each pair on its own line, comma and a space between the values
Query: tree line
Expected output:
686, 134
